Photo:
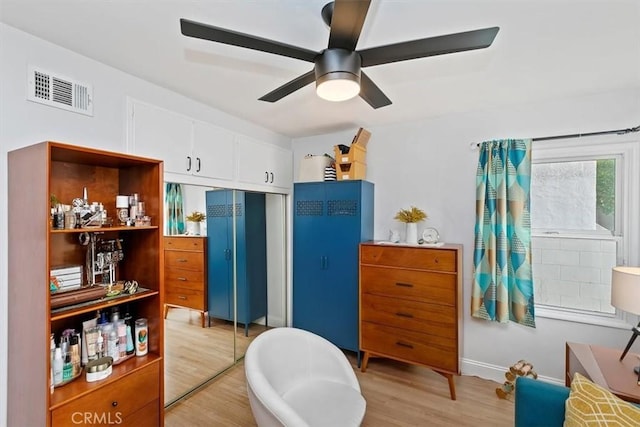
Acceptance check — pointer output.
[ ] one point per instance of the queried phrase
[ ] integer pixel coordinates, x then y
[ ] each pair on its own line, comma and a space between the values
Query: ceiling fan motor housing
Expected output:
337, 64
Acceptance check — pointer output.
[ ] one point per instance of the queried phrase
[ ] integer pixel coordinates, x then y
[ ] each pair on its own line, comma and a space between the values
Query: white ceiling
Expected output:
545, 49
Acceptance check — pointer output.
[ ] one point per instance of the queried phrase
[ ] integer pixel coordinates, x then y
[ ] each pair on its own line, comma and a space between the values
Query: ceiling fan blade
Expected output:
346, 23
221, 35
439, 45
372, 93
290, 87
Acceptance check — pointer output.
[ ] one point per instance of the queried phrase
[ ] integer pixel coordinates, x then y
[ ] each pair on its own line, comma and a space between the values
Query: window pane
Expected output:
573, 273
573, 196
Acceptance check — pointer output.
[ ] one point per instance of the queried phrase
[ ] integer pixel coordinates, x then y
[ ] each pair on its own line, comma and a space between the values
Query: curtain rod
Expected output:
579, 135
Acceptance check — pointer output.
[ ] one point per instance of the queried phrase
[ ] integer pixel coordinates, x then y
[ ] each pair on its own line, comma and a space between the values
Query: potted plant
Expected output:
193, 222
411, 217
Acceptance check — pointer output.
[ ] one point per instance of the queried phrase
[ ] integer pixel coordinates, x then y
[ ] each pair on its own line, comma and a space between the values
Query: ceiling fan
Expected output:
337, 69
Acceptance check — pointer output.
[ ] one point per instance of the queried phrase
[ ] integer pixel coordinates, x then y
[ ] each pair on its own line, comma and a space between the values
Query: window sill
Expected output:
567, 315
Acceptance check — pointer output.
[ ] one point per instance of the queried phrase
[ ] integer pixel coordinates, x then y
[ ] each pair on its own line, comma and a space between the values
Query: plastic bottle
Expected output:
122, 338
52, 355
74, 351
128, 320
57, 366
100, 345
114, 350
67, 368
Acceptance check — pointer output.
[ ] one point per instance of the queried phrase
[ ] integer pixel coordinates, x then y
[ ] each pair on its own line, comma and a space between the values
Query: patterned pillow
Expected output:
591, 405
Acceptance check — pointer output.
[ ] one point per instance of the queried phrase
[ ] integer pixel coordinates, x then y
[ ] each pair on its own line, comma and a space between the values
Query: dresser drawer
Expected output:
185, 297
439, 288
409, 346
431, 319
183, 260
180, 278
184, 243
419, 258
116, 401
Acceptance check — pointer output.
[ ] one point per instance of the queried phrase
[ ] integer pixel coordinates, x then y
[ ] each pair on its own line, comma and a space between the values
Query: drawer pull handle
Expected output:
181, 260
404, 344
409, 315
181, 297
404, 285
114, 403
184, 279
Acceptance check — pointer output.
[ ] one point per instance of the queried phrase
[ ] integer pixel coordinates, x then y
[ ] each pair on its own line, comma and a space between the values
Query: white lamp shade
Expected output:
625, 289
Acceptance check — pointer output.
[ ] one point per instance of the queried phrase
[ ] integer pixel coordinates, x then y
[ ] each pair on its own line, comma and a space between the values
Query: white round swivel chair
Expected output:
298, 379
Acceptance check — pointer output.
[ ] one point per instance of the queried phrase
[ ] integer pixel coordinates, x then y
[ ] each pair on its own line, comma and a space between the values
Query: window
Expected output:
580, 210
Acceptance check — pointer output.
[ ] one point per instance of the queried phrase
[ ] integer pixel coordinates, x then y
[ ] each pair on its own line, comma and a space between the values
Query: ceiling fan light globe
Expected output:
338, 87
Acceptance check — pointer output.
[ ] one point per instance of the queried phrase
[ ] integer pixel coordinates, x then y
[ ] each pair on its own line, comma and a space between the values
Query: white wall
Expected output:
24, 123
430, 164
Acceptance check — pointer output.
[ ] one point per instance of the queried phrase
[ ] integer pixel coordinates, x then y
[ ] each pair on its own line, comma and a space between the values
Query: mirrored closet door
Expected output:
240, 256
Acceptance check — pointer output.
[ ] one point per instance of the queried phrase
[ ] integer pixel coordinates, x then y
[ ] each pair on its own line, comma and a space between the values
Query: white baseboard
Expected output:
495, 373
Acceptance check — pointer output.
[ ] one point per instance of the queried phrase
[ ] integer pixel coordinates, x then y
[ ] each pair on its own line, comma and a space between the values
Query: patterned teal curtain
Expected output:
174, 209
502, 281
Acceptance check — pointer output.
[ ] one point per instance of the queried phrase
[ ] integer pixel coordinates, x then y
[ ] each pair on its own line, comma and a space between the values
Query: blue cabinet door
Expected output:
240, 214
219, 253
330, 221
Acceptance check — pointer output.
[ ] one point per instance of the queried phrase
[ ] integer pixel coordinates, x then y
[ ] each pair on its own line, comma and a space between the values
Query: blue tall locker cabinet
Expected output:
330, 219
251, 255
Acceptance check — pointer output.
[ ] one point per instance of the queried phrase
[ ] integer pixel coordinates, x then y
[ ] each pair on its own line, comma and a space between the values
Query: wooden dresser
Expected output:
410, 305
185, 273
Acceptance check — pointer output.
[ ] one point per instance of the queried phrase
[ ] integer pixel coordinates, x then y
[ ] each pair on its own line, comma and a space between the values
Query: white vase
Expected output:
193, 228
411, 237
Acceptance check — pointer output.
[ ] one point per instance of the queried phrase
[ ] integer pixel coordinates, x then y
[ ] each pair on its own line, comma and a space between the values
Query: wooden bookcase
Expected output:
133, 393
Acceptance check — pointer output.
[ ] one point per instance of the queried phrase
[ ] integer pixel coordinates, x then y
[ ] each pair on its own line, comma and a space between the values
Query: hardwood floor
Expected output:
397, 394
194, 354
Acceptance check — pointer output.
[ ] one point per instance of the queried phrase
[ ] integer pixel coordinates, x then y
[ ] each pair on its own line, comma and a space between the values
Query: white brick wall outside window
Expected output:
572, 255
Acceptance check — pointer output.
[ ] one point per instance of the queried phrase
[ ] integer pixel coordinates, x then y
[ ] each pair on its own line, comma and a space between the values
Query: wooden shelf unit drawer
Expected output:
409, 257
410, 346
438, 288
113, 402
410, 305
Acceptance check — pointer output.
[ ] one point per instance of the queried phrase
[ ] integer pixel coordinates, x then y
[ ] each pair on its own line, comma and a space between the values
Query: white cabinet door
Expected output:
282, 167
161, 134
213, 151
263, 164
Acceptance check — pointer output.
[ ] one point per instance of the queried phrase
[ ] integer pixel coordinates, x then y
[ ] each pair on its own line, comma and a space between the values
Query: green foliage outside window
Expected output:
605, 186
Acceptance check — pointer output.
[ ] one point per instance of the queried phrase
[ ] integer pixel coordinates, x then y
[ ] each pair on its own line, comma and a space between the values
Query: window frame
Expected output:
626, 151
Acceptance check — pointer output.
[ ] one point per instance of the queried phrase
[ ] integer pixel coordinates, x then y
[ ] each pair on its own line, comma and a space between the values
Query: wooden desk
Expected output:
602, 366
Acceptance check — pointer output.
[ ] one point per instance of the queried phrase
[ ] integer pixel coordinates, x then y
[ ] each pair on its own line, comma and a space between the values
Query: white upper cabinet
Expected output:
161, 134
188, 147
212, 151
264, 164
199, 153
